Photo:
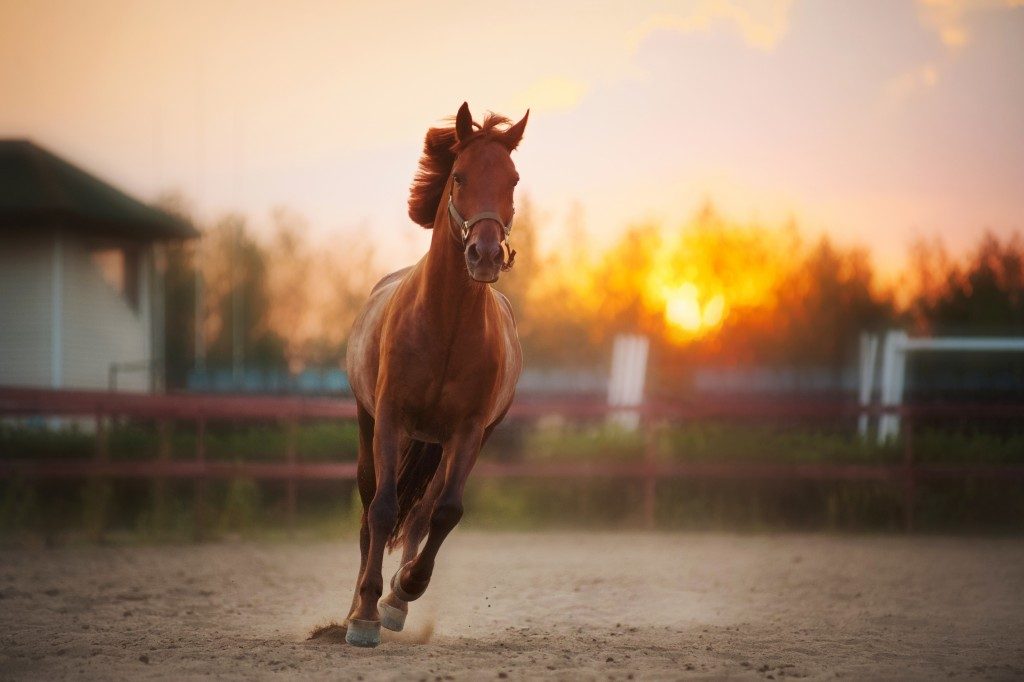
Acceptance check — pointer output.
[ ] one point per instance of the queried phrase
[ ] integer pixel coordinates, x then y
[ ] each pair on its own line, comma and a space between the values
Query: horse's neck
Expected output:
448, 293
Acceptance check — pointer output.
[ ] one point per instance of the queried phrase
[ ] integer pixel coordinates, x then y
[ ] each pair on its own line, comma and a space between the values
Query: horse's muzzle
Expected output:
484, 260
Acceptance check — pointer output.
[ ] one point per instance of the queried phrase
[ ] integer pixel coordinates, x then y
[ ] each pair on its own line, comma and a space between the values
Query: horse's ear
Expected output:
463, 123
514, 135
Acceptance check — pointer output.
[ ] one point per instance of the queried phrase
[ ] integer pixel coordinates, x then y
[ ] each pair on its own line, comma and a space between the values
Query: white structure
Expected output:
896, 347
868, 355
81, 301
629, 371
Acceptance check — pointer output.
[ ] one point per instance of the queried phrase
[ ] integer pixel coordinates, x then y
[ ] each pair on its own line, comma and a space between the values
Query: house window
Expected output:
119, 267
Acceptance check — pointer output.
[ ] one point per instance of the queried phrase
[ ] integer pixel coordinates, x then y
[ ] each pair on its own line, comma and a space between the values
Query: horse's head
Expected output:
482, 182
466, 182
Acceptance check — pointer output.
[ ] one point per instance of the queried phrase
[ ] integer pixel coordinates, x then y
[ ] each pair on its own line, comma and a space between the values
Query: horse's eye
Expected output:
457, 177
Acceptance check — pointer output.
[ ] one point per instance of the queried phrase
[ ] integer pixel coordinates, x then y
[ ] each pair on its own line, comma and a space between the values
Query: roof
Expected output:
40, 189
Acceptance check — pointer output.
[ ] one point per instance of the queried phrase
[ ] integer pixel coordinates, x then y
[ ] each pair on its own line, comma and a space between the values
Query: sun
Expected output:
682, 309
690, 314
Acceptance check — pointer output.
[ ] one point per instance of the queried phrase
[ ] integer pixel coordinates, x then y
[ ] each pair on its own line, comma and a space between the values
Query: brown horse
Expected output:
433, 360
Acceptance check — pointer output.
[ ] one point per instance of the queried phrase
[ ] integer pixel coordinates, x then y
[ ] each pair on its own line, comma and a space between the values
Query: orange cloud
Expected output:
950, 18
910, 83
553, 93
762, 24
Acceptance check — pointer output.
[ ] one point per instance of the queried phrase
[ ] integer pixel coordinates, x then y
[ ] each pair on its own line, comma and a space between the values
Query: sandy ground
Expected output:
528, 606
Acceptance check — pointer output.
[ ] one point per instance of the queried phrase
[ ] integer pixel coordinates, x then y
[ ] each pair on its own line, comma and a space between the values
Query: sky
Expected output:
877, 122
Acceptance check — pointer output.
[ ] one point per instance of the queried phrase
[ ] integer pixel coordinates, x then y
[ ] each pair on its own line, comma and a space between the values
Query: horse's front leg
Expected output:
460, 453
367, 483
364, 623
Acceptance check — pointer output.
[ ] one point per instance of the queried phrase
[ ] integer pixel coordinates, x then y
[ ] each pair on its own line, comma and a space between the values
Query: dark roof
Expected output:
40, 189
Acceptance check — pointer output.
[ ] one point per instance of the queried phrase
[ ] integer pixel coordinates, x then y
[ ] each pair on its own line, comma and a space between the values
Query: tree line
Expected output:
746, 293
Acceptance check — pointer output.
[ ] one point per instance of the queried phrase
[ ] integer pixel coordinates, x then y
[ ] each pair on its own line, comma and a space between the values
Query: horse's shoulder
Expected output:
388, 279
504, 303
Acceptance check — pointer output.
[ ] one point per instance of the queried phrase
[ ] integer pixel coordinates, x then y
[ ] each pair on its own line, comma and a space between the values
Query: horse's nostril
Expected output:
472, 254
497, 257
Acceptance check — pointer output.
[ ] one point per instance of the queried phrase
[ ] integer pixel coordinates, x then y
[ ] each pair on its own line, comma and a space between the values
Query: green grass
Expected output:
152, 511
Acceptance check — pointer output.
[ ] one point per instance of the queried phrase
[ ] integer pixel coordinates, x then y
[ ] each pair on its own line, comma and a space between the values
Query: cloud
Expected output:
553, 93
910, 83
950, 18
761, 23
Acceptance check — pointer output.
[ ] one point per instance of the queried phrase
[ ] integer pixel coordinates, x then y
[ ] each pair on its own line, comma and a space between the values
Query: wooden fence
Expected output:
167, 409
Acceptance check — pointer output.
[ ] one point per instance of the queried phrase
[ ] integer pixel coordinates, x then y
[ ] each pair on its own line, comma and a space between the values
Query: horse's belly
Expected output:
424, 435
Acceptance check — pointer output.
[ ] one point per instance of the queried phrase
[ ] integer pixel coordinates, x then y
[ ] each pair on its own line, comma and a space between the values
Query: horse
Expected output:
433, 361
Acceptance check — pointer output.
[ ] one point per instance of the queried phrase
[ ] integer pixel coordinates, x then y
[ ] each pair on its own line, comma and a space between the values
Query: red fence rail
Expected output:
289, 411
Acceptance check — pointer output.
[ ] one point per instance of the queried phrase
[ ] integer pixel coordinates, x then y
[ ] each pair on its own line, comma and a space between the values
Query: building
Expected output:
81, 302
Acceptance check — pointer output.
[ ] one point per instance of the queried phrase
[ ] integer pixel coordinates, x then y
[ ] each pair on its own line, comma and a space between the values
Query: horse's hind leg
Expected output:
394, 609
459, 456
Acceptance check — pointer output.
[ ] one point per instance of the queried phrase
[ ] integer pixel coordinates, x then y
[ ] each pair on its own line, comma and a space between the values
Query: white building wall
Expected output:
26, 295
101, 327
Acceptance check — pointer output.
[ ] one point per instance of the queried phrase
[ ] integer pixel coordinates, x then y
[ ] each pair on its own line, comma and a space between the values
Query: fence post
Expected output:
868, 362
163, 455
98, 486
650, 484
291, 455
102, 443
200, 491
908, 474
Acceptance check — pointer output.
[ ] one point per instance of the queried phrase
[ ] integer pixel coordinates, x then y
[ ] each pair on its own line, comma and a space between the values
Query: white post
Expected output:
900, 368
885, 389
868, 362
626, 384
894, 368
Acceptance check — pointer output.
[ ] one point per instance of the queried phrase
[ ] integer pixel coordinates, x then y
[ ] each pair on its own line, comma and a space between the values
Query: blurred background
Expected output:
770, 266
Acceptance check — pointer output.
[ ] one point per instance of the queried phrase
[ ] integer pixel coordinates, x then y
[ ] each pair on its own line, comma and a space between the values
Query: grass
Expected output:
731, 441
184, 510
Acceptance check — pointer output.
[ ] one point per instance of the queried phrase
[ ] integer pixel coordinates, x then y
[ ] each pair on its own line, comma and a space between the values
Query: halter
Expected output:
508, 253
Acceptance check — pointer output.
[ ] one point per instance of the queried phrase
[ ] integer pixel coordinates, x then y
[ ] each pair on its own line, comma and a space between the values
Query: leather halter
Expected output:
508, 253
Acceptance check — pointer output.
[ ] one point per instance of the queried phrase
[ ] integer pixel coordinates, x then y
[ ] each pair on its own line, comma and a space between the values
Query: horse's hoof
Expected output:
396, 586
391, 617
364, 633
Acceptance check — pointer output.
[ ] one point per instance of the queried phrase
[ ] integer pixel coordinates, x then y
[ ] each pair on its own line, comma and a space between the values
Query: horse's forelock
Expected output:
440, 147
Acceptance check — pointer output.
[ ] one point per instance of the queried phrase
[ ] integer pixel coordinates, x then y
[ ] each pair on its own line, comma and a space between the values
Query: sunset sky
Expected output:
874, 121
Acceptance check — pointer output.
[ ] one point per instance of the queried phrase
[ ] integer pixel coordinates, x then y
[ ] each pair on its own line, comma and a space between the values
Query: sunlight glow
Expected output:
682, 309
685, 313
692, 280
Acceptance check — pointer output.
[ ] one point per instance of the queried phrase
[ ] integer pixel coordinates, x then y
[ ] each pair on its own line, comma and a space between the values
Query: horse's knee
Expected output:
383, 511
446, 516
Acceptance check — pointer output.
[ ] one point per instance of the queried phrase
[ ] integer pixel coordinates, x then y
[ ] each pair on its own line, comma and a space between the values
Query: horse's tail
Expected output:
415, 470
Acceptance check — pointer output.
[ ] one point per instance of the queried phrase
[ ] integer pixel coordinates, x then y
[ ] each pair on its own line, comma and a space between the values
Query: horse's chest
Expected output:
447, 393
478, 391
431, 378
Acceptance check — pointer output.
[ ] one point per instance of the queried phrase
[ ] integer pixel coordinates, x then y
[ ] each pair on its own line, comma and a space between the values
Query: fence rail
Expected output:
289, 411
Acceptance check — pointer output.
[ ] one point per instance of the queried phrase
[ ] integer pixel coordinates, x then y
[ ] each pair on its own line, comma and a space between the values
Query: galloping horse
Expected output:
433, 360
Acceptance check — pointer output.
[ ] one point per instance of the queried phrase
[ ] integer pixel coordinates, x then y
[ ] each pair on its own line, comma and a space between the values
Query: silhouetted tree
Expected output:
235, 268
984, 295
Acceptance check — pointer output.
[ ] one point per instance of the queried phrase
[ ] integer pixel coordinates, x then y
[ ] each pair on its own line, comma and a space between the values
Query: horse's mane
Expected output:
440, 148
